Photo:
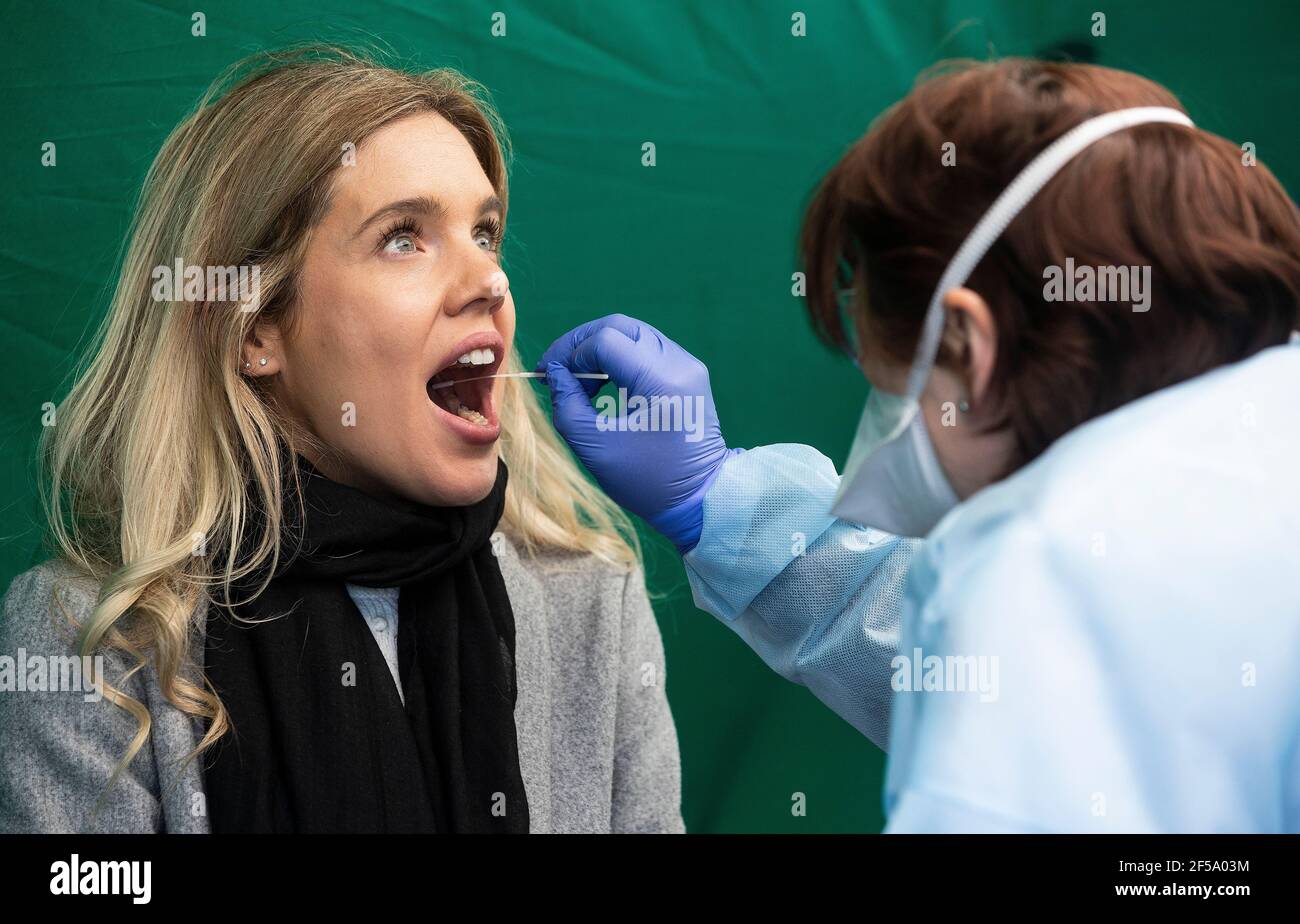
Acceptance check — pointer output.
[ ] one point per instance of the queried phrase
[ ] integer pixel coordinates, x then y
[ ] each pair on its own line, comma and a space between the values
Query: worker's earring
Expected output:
963, 405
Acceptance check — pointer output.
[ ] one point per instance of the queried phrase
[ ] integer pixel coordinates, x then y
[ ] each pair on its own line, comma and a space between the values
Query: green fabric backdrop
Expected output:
745, 117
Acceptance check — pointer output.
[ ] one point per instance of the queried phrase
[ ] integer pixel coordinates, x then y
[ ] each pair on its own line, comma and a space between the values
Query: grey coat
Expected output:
597, 745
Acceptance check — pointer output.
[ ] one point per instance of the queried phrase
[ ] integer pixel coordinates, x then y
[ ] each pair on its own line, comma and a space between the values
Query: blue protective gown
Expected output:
1108, 640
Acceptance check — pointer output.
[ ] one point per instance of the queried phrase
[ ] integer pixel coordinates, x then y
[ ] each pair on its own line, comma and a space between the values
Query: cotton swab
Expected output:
519, 375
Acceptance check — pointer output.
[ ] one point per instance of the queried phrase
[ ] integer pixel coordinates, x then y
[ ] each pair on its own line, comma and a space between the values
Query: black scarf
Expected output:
321, 741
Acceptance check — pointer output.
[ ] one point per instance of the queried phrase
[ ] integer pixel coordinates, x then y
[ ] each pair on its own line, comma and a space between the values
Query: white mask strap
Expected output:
1005, 208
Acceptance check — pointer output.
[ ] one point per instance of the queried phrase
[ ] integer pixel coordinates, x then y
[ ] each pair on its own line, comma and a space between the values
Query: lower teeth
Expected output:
465, 412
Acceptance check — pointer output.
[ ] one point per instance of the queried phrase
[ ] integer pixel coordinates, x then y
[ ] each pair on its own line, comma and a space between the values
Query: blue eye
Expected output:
491, 234
405, 231
401, 239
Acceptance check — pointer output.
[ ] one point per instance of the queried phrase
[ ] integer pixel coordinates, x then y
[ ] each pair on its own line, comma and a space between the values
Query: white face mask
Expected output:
892, 480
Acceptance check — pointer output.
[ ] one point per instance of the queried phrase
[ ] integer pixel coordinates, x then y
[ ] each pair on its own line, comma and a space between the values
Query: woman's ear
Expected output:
262, 351
971, 334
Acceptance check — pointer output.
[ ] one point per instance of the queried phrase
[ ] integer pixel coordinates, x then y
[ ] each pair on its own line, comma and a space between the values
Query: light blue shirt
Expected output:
378, 606
1107, 641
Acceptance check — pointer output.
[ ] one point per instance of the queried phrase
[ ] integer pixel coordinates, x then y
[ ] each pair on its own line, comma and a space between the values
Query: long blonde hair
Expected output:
145, 472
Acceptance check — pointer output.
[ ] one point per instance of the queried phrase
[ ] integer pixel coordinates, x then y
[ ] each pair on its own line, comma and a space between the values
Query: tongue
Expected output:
466, 393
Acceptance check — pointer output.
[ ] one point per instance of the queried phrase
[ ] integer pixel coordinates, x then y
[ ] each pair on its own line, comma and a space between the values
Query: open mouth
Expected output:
451, 390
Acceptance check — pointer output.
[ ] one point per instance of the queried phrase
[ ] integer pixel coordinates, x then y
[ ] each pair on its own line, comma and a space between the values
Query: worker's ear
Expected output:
971, 334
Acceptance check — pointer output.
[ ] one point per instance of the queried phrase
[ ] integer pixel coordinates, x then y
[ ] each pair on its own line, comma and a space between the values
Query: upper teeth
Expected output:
477, 358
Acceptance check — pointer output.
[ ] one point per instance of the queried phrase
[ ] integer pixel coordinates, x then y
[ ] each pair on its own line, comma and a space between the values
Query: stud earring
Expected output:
963, 405
248, 365
262, 361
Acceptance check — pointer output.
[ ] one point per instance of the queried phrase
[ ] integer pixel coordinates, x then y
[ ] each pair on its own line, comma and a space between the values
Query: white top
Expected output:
379, 607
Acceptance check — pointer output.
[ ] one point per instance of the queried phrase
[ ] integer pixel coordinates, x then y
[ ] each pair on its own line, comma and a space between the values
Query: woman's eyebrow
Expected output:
415, 205
423, 205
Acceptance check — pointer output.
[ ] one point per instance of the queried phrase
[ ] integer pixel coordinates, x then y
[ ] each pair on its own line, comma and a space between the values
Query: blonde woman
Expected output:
329, 596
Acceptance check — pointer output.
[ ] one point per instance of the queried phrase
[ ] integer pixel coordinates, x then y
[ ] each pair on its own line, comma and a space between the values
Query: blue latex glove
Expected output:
660, 476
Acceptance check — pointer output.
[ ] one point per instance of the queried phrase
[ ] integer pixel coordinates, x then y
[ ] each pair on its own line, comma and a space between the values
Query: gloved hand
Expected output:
660, 476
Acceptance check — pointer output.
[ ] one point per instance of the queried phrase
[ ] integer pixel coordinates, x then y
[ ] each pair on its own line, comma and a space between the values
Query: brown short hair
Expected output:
1222, 239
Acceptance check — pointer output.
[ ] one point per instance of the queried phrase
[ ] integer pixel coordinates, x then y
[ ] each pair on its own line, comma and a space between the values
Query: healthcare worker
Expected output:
1058, 579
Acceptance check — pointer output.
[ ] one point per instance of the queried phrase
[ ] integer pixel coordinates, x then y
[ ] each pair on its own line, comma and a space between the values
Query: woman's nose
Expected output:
484, 291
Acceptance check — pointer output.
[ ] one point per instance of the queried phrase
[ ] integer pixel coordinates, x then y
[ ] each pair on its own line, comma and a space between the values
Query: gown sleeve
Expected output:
816, 598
